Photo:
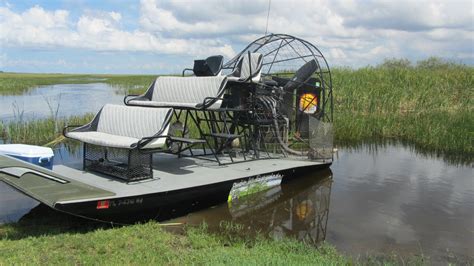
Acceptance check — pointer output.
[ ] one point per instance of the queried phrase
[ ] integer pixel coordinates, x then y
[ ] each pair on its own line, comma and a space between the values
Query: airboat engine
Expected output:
292, 102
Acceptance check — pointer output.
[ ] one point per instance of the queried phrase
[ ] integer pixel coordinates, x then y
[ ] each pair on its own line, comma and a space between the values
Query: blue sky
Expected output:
151, 36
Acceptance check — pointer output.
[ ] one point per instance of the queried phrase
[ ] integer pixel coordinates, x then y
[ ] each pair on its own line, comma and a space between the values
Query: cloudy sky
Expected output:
152, 36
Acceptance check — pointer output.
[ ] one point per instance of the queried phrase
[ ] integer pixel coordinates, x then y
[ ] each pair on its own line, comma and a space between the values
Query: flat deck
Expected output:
172, 173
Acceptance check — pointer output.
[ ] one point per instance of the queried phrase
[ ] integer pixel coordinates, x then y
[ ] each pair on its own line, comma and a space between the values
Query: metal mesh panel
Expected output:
130, 165
311, 138
320, 139
269, 144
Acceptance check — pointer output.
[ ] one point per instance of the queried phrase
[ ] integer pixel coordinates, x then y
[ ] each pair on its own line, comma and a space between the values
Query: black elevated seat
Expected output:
210, 66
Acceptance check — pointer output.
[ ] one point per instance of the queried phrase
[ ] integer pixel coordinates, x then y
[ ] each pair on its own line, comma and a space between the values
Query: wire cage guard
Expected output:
126, 164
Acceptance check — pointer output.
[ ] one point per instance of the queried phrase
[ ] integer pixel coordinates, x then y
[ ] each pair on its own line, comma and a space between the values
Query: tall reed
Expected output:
39, 132
428, 105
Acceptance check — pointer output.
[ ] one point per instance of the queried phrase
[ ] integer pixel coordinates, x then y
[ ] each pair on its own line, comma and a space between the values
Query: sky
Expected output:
158, 37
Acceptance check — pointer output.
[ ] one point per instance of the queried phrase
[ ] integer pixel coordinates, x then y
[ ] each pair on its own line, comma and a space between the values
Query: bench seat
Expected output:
182, 93
120, 140
104, 139
124, 127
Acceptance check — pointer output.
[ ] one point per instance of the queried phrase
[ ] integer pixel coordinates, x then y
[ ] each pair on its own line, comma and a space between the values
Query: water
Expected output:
13, 205
72, 99
393, 199
374, 201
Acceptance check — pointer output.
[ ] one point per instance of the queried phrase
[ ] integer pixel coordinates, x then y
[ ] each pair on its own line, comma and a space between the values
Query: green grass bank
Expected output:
150, 244
153, 244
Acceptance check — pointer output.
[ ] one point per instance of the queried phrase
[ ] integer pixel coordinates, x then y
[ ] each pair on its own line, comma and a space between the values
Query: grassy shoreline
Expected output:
149, 243
69, 241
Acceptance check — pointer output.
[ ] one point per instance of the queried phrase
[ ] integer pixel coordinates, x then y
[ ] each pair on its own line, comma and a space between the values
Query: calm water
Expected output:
72, 99
373, 201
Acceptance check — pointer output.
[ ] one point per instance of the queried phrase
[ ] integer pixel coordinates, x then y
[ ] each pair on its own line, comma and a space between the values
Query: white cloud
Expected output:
337, 53
354, 32
350, 32
99, 31
407, 15
115, 16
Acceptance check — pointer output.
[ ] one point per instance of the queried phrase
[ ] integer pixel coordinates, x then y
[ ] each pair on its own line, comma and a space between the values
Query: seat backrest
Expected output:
200, 68
249, 67
302, 75
135, 122
187, 89
212, 66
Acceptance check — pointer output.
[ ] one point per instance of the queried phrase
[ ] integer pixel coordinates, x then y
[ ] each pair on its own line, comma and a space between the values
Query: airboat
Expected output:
215, 131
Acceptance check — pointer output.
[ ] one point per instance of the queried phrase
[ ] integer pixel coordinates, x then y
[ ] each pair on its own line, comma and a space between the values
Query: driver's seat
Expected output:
211, 66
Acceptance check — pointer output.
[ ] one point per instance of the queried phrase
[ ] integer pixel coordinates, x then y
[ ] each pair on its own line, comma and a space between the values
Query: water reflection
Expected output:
394, 200
297, 209
374, 146
302, 215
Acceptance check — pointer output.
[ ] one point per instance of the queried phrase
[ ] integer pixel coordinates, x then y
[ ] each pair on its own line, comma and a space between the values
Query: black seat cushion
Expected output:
211, 66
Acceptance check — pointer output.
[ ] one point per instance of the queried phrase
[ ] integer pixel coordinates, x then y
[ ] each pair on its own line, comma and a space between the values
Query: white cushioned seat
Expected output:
103, 139
121, 126
182, 92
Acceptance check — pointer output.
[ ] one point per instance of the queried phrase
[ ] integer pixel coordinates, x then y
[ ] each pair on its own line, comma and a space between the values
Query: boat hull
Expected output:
213, 193
142, 198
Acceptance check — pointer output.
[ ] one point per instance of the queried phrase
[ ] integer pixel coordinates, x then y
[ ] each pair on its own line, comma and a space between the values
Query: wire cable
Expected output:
268, 16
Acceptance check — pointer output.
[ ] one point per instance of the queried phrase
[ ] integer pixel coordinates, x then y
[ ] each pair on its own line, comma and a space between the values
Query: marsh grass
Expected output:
428, 105
127, 84
20, 83
39, 132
